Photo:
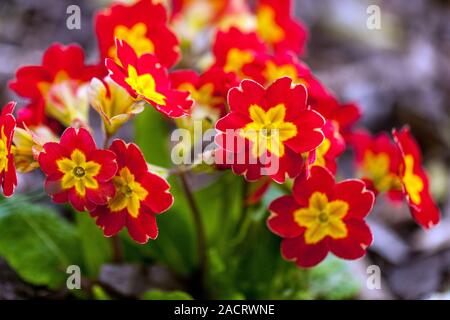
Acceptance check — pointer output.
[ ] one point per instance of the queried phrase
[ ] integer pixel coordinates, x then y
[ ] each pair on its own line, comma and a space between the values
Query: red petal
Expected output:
126, 54
359, 199
347, 115
61, 197
106, 160
129, 155
281, 222
101, 195
47, 159
9, 178
78, 202
290, 165
232, 121
8, 108
282, 91
171, 109
320, 180
250, 92
142, 228
80, 139
427, 214
408, 144
354, 245
118, 75
309, 134
179, 77
27, 79
110, 222
305, 255
158, 199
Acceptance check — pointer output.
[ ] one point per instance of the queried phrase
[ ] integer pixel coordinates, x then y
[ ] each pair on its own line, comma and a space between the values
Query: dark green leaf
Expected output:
37, 243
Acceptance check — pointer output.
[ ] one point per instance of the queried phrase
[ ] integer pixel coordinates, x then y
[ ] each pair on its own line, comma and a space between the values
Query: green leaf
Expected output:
257, 261
95, 247
37, 243
152, 136
99, 293
220, 204
221, 282
166, 295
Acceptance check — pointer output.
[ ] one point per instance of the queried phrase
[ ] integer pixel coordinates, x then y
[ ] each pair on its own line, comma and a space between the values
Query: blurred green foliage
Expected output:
165, 295
37, 242
95, 248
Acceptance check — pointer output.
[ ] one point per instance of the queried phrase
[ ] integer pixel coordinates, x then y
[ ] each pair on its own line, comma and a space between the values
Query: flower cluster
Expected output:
233, 68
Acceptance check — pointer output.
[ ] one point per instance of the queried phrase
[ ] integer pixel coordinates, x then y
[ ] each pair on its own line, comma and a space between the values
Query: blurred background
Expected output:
398, 74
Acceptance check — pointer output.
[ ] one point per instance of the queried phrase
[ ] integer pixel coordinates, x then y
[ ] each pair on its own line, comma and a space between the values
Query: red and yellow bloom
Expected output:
146, 79
143, 25
189, 24
113, 103
27, 144
415, 180
8, 176
268, 68
78, 172
322, 216
234, 49
343, 115
378, 161
272, 124
329, 150
139, 196
272, 21
57, 88
208, 91
276, 26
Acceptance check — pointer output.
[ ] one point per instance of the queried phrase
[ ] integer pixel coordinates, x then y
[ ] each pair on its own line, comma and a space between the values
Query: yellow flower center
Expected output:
204, 95
267, 28
268, 130
3, 152
236, 59
78, 172
376, 168
136, 37
322, 218
413, 183
145, 86
321, 151
273, 72
129, 193
60, 77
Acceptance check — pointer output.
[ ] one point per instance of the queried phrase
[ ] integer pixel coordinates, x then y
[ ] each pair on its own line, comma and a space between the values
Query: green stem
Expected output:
200, 229
285, 188
244, 206
106, 141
